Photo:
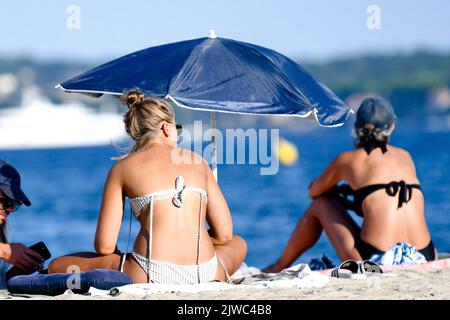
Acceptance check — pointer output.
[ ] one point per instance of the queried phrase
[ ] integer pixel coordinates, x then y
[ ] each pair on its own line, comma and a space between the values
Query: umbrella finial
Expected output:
212, 34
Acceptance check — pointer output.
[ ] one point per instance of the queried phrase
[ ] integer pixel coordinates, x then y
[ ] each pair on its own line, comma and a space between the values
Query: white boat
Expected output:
38, 123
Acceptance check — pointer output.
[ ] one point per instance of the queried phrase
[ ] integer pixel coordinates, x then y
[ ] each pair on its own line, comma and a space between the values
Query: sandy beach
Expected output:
398, 285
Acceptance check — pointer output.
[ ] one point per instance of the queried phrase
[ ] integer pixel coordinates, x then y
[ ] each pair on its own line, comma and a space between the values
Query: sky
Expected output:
312, 30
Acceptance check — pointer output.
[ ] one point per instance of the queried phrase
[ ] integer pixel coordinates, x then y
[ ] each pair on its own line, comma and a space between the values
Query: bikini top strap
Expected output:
199, 235
370, 143
178, 196
392, 188
150, 239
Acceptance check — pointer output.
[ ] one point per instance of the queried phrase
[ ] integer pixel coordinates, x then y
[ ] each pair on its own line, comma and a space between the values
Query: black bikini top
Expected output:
393, 188
372, 144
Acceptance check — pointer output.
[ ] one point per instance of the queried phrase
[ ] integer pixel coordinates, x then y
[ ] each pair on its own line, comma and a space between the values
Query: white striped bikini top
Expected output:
178, 195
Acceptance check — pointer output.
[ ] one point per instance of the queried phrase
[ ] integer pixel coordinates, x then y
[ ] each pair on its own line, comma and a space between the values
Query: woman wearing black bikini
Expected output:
386, 193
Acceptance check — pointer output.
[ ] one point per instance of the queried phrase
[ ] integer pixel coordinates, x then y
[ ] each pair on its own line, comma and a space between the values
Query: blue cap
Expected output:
375, 111
10, 183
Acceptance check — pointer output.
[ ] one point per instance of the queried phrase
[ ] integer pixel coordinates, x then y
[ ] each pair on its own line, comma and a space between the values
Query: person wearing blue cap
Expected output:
383, 188
11, 198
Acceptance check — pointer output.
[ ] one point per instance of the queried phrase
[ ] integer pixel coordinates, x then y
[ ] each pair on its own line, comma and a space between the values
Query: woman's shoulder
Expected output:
399, 151
184, 156
347, 156
124, 163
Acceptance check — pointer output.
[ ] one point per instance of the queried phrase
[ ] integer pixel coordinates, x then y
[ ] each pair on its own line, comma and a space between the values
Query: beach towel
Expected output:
3, 268
399, 254
298, 276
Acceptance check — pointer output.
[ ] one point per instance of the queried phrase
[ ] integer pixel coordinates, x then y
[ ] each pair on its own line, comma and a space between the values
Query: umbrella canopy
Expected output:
217, 74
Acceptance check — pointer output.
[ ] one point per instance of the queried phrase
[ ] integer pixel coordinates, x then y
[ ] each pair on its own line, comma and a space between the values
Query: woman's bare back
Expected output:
384, 223
175, 230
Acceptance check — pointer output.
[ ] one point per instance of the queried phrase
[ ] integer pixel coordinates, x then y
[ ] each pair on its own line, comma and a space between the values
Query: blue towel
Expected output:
400, 253
3, 268
58, 283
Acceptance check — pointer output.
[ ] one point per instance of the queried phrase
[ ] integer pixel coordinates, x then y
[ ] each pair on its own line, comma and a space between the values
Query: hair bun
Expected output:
132, 98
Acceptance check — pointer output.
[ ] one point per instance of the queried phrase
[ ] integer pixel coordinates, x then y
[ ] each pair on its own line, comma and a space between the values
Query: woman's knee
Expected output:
234, 252
65, 264
56, 266
241, 244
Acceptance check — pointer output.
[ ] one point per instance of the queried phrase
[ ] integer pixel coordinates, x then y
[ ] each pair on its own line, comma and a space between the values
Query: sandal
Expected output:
369, 267
349, 269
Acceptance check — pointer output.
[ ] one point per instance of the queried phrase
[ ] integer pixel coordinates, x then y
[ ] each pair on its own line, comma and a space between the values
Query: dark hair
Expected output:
369, 137
373, 126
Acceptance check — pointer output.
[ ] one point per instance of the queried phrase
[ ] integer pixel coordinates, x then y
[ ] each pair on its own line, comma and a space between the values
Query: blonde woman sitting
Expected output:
173, 193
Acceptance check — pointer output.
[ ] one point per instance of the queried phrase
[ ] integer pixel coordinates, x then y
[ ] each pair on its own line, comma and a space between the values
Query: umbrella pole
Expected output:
214, 146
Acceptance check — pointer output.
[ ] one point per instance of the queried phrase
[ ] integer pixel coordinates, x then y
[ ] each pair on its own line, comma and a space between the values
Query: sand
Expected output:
399, 285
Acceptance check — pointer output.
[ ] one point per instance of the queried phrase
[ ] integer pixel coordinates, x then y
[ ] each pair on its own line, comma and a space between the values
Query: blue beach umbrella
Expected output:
218, 75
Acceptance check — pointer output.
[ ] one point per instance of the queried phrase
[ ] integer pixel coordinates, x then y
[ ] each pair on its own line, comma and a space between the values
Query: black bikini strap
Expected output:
362, 193
370, 143
404, 191
375, 144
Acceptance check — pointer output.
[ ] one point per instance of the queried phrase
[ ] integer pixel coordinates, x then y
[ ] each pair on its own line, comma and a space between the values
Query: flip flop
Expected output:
349, 269
370, 267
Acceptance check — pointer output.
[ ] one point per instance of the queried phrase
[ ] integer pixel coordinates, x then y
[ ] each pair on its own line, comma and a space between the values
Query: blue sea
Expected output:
65, 187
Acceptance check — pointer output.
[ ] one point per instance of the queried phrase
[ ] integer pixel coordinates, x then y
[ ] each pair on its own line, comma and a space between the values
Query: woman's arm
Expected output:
217, 213
111, 211
330, 177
